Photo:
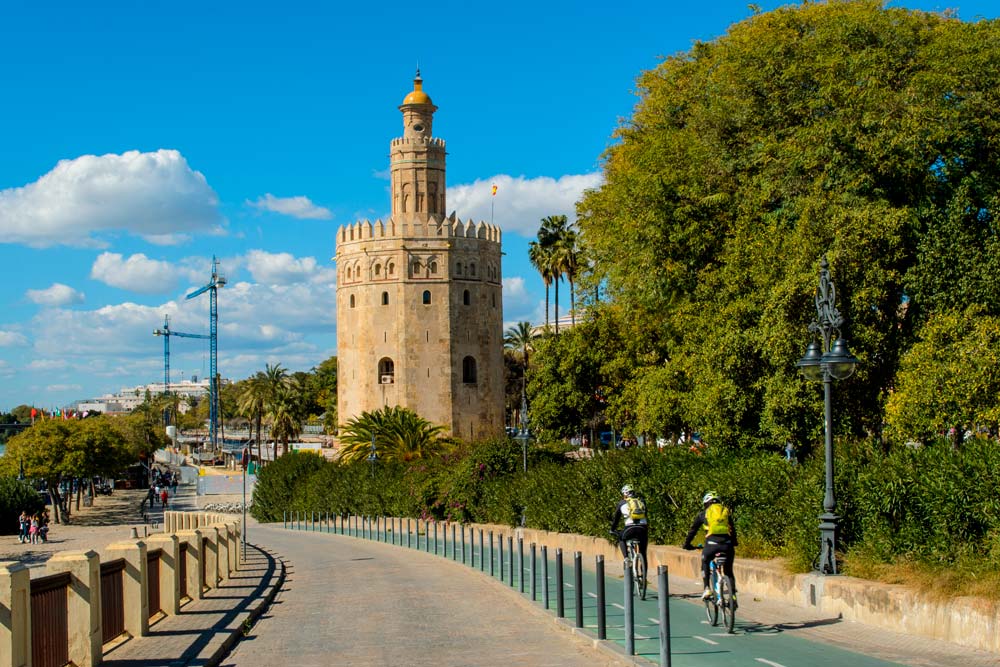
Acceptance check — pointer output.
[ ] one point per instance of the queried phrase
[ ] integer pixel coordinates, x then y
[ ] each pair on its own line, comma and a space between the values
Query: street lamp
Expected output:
826, 360
373, 457
523, 434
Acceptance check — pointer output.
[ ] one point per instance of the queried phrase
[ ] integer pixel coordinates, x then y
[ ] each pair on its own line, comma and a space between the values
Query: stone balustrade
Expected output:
197, 551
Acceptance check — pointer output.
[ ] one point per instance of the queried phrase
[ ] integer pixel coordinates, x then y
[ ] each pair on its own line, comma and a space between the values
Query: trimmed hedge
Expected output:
934, 504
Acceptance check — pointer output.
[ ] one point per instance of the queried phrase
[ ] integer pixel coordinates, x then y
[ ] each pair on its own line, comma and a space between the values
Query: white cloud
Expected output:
280, 268
154, 195
12, 339
47, 365
521, 203
296, 207
63, 387
138, 273
56, 295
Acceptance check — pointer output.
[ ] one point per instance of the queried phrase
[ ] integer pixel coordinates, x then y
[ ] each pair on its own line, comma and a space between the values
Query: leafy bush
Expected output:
16, 497
932, 507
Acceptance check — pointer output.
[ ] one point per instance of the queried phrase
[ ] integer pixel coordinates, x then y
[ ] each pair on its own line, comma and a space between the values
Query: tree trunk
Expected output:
556, 311
546, 305
79, 493
55, 499
572, 303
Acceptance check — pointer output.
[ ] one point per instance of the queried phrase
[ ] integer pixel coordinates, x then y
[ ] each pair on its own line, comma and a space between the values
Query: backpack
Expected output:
636, 508
716, 520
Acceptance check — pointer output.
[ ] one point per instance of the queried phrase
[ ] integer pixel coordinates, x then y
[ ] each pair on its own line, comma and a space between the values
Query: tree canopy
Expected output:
847, 129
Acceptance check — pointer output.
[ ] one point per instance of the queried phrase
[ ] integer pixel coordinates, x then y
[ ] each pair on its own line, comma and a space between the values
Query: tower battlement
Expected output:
418, 141
450, 227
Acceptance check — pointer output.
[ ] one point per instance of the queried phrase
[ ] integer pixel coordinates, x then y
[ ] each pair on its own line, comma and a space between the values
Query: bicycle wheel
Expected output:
639, 575
728, 603
711, 608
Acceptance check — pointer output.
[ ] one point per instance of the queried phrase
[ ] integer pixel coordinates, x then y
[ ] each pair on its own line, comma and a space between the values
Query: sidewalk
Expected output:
206, 629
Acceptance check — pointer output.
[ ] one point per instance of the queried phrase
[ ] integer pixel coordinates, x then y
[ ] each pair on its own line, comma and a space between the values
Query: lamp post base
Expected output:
828, 540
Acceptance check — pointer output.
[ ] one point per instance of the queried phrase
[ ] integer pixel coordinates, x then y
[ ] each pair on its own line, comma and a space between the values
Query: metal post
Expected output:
491, 553
454, 544
578, 584
284, 518
500, 552
629, 613
602, 611
534, 562
462, 530
312, 521
408, 533
520, 561
444, 541
560, 601
510, 565
545, 576
664, 599
243, 527
472, 547
435, 538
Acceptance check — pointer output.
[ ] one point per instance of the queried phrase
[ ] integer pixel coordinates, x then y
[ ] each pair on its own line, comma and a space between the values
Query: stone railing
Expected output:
83, 600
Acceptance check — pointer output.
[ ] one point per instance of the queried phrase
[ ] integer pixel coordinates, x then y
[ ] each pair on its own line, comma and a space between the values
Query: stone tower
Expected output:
419, 308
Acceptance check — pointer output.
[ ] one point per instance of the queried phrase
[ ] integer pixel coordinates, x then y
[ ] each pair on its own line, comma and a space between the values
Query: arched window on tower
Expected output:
427, 297
458, 268
378, 270
434, 267
391, 269
472, 269
417, 268
348, 273
352, 301
386, 371
385, 298
466, 298
469, 370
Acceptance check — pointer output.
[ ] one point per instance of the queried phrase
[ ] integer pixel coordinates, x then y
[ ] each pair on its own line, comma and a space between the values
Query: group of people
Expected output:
33, 528
163, 483
714, 523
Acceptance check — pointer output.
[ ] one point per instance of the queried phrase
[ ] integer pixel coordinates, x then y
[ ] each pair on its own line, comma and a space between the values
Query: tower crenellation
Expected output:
419, 296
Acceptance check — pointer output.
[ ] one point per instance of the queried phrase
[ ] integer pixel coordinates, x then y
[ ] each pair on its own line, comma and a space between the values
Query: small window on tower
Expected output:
385, 298
386, 371
458, 268
466, 298
416, 268
352, 301
472, 269
427, 297
469, 370
391, 269
434, 267
378, 270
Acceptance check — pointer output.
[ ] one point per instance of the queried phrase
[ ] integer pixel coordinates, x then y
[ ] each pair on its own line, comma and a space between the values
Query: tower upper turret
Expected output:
418, 159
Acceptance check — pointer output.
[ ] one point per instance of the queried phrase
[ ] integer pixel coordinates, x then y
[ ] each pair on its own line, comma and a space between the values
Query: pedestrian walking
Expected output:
24, 523
163, 497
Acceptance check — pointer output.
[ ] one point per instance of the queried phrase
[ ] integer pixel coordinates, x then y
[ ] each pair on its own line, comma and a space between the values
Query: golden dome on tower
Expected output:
417, 95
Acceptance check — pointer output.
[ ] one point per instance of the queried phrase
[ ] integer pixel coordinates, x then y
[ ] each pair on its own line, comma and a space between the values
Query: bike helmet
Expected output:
627, 490
710, 497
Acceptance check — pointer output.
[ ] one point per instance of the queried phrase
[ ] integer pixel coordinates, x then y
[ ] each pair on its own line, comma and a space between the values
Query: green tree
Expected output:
42, 451
751, 156
540, 257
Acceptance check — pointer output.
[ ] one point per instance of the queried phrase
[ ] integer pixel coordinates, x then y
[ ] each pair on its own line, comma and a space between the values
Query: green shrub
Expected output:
277, 481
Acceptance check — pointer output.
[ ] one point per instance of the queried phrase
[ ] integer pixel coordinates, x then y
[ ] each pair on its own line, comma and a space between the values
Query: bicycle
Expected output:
636, 563
723, 595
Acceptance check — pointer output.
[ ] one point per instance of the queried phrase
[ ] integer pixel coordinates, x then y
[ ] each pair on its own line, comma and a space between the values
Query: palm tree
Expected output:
252, 403
286, 413
399, 434
518, 338
553, 229
539, 256
567, 261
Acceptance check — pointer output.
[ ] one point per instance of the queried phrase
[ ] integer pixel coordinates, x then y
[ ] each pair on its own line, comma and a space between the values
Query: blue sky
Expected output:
137, 140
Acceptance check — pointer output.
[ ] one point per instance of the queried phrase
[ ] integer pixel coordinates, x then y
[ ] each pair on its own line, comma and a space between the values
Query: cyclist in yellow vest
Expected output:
716, 521
632, 509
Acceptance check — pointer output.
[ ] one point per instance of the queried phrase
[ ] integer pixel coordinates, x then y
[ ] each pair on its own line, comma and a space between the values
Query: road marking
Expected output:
768, 662
593, 595
706, 640
654, 620
567, 585
615, 604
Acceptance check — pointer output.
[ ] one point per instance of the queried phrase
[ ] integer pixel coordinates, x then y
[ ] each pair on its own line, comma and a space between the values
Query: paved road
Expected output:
358, 602
352, 602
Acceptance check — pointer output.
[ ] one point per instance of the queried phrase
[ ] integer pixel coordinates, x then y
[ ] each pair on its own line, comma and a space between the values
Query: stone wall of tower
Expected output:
425, 295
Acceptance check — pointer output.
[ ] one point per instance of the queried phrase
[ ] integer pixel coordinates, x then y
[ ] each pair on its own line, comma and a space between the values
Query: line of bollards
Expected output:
386, 529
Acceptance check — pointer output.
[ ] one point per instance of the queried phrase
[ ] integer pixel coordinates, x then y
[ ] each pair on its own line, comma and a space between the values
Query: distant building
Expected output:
129, 398
419, 302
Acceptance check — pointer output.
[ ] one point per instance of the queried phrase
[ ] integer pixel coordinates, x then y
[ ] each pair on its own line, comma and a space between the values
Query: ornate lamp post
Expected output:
523, 435
373, 457
826, 360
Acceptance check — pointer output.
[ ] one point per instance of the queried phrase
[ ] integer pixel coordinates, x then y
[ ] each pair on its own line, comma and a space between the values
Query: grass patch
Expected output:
938, 581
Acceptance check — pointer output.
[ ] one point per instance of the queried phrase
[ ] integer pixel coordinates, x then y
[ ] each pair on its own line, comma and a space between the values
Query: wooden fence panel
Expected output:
112, 599
153, 580
50, 621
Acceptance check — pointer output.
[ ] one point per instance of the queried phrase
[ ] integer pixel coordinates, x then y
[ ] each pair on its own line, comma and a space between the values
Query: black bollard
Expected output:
545, 576
284, 519
629, 613
435, 538
560, 600
454, 545
444, 541
491, 553
578, 584
482, 553
510, 565
500, 552
664, 599
534, 562
409, 532
602, 611
520, 561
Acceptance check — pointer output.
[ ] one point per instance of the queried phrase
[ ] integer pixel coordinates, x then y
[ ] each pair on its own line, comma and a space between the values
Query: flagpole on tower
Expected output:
492, 200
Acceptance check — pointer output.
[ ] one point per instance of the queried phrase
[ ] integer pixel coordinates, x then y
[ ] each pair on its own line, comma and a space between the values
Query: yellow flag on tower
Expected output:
494, 190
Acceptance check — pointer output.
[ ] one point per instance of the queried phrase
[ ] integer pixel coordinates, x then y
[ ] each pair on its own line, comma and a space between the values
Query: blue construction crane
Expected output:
212, 288
166, 332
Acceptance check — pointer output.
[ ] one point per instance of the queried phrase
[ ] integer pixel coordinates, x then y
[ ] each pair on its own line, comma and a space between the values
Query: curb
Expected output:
237, 634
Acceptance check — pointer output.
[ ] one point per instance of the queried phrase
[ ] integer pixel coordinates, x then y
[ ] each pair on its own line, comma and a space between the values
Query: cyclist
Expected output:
632, 509
720, 537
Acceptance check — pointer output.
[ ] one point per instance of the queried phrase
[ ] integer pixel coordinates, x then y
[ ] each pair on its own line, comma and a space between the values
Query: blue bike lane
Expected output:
693, 641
